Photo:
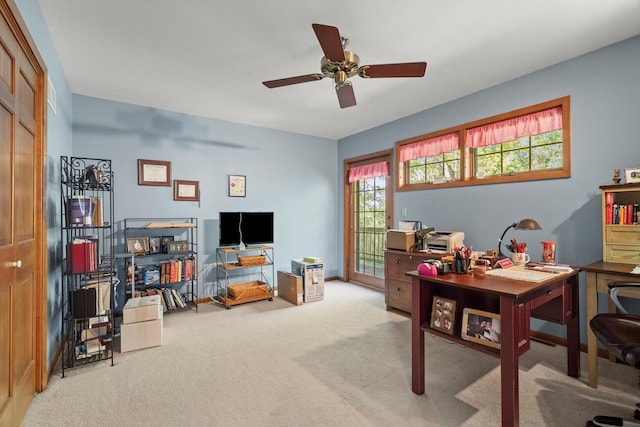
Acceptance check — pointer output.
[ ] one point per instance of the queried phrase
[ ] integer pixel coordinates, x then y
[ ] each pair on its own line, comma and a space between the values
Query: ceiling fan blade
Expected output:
330, 41
346, 96
292, 80
407, 69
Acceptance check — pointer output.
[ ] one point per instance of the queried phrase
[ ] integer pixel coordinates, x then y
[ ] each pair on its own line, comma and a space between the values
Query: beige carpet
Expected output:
343, 361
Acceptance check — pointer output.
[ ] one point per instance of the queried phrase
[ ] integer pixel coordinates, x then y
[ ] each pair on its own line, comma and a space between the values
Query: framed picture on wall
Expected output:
186, 191
237, 185
154, 172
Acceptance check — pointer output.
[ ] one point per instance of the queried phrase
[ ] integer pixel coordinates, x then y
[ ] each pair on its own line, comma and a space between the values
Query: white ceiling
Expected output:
209, 57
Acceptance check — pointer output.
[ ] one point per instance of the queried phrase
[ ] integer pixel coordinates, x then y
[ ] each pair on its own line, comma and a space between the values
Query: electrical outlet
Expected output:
404, 212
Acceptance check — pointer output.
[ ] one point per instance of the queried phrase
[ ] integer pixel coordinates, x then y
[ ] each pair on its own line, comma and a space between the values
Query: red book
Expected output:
608, 204
188, 266
82, 256
172, 272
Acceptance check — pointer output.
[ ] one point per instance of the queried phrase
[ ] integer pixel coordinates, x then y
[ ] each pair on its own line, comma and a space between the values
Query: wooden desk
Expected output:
599, 275
554, 300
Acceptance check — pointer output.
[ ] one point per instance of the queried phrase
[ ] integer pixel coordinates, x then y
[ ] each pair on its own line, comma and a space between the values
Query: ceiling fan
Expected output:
340, 65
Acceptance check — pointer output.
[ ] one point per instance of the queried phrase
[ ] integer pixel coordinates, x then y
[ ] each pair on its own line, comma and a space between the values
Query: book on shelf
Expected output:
188, 268
169, 299
82, 256
151, 277
79, 211
177, 299
621, 214
98, 214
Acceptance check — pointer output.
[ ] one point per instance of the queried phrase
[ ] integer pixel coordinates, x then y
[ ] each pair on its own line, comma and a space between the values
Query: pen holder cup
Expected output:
480, 268
461, 265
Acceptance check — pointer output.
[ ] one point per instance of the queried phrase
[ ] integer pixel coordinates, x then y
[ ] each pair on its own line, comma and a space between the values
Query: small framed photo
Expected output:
632, 175
164, 243
154, 172
237, 185
154, 245
186, 191
482, 327
177, 246
138, 245
443, 314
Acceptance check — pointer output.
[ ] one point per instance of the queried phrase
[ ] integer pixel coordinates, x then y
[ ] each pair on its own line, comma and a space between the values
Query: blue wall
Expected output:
605, 123
300, 177
292, 175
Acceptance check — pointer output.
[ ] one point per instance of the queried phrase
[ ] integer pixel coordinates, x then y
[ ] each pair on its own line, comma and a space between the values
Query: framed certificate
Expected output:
237, 185
188, 191
154, 172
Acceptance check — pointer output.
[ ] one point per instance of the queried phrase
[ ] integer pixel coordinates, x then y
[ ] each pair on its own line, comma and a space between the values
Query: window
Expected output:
531, 143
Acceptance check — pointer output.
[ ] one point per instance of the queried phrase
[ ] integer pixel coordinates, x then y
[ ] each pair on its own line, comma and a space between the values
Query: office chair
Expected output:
620, 334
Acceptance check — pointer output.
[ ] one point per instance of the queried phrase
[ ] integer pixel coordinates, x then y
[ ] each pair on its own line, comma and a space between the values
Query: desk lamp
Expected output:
524, 224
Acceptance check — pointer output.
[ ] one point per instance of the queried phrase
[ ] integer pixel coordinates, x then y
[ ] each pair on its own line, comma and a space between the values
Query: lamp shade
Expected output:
528, 224
523, 224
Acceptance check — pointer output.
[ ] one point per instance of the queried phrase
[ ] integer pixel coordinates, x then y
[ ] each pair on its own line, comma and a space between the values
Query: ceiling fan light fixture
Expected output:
340, 77
340, 65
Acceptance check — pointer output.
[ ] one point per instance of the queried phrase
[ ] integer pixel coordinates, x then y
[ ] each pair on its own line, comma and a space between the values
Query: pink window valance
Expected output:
429, 147
512, 129
368, 171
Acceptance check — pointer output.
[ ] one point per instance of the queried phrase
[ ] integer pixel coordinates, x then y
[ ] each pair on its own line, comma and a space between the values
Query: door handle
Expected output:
16, 264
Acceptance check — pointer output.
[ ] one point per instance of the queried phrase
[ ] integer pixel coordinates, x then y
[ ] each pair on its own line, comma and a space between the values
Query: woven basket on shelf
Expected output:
251, 260
247, 289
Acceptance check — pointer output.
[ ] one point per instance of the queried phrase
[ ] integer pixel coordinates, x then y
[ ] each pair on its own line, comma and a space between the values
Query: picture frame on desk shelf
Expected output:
443, 315
482, 327
632, 175
154, 245
186, 191
164, 243
154, 172
137, 245
177, 246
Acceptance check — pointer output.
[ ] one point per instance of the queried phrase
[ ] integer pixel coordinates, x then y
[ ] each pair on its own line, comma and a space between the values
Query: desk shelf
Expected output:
458, 340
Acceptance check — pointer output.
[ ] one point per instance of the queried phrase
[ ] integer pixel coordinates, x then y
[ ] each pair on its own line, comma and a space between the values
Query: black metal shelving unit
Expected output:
170, 272
89, 272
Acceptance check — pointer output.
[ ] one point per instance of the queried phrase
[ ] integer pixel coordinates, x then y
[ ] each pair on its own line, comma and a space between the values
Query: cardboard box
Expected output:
400, 239
136, 336
142, 309
312, 279
290, 287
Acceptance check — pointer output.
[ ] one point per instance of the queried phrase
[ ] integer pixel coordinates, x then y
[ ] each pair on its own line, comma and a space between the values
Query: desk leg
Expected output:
573, 331
592, 343
509, 324
419, 295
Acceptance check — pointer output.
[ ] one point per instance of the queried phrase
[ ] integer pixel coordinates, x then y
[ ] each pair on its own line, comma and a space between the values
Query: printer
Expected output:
441, 242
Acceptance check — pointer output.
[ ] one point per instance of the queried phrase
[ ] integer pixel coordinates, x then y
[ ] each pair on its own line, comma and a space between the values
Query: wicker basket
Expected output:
251, 260
247, 289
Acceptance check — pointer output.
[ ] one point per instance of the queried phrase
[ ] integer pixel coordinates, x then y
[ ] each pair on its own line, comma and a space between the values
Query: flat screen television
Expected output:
250, 228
